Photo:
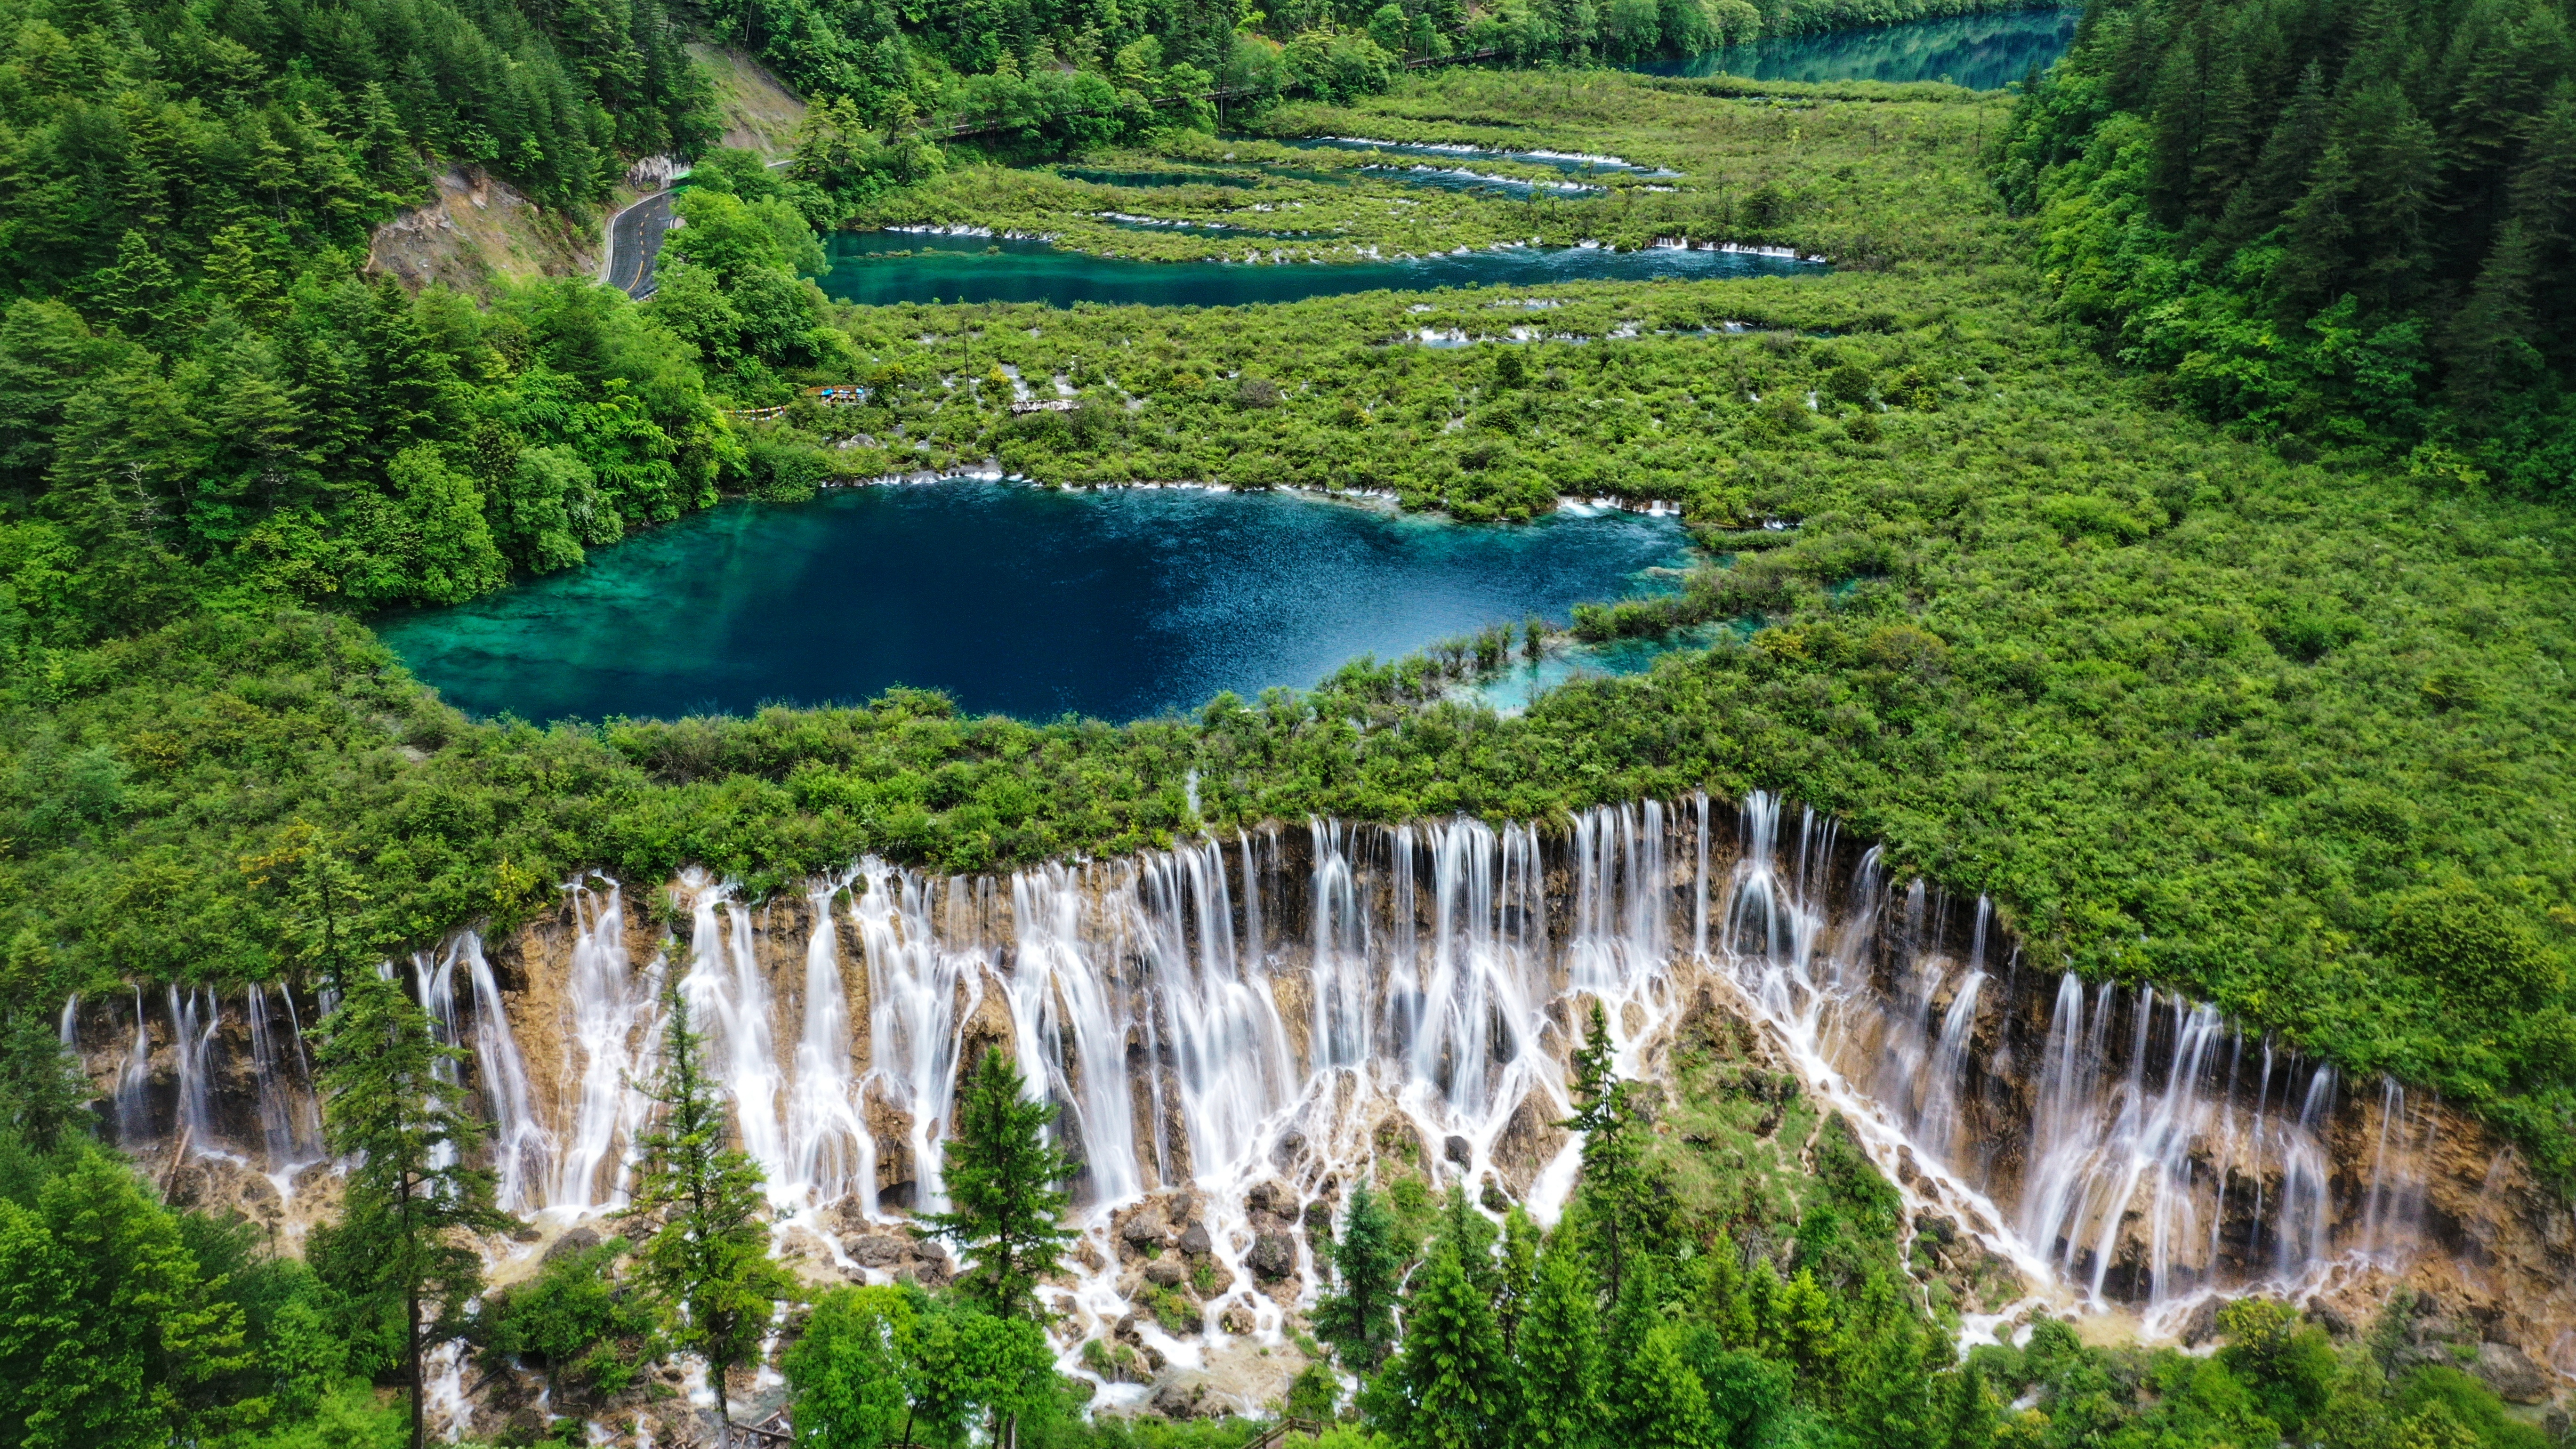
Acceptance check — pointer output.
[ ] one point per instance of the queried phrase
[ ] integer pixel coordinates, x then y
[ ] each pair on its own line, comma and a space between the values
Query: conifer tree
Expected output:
1634, 1315
1517, 1275
1451, 1386
1470, 1234
1892, 1395
391, 1104
110, 1330
43, 1096
1614, 1187
706, 1259
1359, 1317
1005, 1211
1559, 1352
1663, 1402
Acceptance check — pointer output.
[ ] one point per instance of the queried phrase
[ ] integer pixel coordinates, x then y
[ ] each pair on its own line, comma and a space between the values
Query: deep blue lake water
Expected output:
1982, 52
1119, 604
866, 267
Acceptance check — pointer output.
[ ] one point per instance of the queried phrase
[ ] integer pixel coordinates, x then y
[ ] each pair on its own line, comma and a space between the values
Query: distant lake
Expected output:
1120, 604
877, 268
1983, 52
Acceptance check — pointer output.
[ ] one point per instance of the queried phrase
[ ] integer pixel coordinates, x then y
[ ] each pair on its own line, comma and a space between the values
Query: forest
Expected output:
2149, 523
2341, 224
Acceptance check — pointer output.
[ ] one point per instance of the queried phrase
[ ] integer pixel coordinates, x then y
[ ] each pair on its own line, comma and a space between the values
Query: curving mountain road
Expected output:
634, 240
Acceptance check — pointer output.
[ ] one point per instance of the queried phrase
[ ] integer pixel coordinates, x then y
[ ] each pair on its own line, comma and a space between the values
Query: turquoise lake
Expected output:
1119, 604
877, 268
1982, 52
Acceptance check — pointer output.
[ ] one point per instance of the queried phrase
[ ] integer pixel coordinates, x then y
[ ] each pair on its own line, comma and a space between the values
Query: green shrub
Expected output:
589, 1329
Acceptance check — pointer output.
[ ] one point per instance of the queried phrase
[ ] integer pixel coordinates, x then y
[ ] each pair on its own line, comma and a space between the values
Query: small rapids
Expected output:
1237, 1028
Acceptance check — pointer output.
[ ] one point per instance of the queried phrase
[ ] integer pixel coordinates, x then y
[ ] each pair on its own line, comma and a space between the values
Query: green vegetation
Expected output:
583, 1318
1766, 1306
1866, 174
391, 1106
2345, 227
2282, 728
705, 1260
2189, 712
1000, 1173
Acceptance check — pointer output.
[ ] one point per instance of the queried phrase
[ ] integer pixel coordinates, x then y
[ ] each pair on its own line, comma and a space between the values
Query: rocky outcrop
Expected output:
477, 231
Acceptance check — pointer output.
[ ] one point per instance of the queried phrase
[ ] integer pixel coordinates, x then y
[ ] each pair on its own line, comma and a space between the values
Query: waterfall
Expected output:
134, 1081
1227, 1043
1339, 953
1246, 1018
729, 1004
829, 1149
611, 1049
913, 1009
290, 1128
194, 1017
1070, 1021
522, 1149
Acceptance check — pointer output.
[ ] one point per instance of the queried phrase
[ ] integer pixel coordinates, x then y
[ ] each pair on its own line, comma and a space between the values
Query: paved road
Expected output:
634, 240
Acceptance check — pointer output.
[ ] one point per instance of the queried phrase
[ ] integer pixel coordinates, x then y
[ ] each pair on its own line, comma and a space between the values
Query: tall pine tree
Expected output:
1358, 1318
706, 1260
1451, 1387
392, 1106
1005, 1210
1559, 1352
1614, 1188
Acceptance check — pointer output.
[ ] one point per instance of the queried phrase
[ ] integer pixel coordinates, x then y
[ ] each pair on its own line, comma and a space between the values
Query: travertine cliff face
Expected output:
1236, 1027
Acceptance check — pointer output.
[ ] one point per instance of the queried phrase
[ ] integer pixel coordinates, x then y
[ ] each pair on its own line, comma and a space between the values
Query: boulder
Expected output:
1458, 1150
876, 1250
1178, 1400
1196, 1242
1166, 1273
1273, 1255
2511, 1373
579, 1240
1145, 1231
1238, 1319
2324, 1316
2202, 1325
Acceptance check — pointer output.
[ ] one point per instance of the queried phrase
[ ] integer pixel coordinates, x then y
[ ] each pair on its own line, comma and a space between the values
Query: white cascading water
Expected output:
290, 1126
523, 1151
831, 1154
134, 1081
1267, 1011
612, 1044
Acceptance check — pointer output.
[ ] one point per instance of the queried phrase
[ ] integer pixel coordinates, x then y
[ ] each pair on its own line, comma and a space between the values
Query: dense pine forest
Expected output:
2156, 524
2342, 223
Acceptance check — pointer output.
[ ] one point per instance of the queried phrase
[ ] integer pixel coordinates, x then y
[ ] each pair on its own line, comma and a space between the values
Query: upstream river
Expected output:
1119, 604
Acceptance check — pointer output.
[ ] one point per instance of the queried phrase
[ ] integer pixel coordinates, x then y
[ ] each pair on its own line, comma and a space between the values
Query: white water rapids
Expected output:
1236, 1027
